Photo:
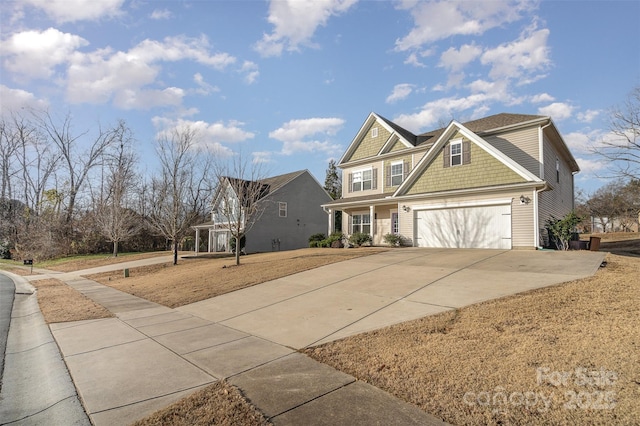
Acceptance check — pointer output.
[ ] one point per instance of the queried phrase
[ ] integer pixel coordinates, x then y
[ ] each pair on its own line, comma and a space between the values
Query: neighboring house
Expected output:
289, 212
487, 183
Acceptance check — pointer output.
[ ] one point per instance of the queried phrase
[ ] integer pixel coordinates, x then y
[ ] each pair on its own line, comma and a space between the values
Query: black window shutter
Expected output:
466, 152
446, 155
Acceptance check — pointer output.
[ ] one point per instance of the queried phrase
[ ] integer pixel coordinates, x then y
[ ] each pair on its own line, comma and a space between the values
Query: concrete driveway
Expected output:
367, 293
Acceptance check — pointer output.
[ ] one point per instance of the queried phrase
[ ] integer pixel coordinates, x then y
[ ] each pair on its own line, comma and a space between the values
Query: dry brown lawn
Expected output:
217, 404
61, 303
196, 279
568, 354
81, 262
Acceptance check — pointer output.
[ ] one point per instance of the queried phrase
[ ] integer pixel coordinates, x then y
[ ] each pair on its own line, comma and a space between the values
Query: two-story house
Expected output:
288, 210
486, 183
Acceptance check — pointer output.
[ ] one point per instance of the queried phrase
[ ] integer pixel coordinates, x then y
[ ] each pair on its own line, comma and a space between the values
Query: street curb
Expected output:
36, 385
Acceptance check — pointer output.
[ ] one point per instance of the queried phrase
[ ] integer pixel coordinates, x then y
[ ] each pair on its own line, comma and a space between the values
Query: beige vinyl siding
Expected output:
484, 170
558, 201
520, 145
369, 146
522, 218
378, 180
398, 146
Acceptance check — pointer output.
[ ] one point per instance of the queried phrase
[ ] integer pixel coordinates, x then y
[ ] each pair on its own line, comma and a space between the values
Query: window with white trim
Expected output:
456, 152
374, 132
282, 209
396, 173
361, 223
362, 180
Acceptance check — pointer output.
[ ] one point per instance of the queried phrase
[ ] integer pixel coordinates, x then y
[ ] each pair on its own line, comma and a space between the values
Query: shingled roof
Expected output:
491, 122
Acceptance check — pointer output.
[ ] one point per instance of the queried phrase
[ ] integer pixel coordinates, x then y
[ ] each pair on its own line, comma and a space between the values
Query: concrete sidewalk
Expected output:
149, 356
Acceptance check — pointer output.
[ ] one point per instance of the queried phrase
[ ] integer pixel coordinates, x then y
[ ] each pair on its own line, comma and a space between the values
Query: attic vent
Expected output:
374, 132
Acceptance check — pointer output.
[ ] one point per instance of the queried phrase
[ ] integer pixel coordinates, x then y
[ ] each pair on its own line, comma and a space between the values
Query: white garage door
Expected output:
465, 227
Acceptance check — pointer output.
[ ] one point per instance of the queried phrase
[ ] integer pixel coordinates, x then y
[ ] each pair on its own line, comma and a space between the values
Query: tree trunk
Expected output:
115, 249
237, 251
175, 251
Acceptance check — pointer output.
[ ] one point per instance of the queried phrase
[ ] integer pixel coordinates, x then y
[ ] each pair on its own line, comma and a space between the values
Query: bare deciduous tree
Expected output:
114, 216
77, 165
178, 194
237, 202
623, 150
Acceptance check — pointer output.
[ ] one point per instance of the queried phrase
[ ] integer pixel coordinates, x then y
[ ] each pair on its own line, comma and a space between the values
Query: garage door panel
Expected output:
468, 227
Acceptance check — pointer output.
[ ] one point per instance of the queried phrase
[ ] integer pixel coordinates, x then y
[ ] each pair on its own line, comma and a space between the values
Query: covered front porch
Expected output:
218, 238
376, 220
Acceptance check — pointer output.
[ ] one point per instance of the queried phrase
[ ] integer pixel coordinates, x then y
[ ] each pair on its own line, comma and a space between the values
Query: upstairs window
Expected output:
456, 153
362, 180
557, 170
396, 173
282, 209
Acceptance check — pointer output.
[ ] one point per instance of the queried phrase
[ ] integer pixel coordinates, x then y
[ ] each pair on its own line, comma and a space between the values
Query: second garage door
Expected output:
464, 227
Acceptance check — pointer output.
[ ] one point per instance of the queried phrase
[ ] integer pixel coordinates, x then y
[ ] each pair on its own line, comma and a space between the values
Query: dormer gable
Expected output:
377, 136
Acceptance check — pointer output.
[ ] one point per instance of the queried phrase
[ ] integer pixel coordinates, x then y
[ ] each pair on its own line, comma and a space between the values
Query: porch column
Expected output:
332, 220
197, 244
209, 245
372, 213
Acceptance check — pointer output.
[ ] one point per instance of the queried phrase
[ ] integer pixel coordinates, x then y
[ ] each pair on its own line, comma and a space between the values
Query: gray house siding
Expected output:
305, 217
560, 200
521, 145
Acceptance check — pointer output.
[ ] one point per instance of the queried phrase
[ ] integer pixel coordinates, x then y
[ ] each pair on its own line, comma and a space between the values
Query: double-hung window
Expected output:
456, 153
362, 180
282, 209
361, 223
396, 173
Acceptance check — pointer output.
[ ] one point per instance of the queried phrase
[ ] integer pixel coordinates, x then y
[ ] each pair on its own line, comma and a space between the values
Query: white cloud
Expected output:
261, 157
580, 141
521, 59
295, 22
78, 10
456, 59
210, 136
159, 14
412, 59
250, 70
99, 76
35, 54
437, 20
557, 111
588, 116
443, 110
148, 98
299, 135
542, 97
590, 166
400, 92
205, 88
15, 100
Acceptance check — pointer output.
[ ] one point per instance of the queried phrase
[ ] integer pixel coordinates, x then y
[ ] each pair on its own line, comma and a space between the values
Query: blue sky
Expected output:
291, 82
